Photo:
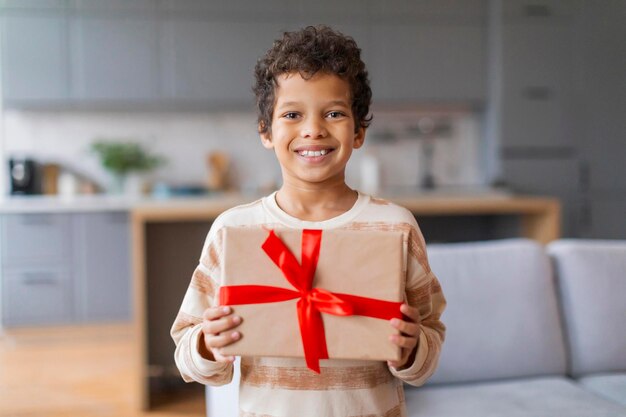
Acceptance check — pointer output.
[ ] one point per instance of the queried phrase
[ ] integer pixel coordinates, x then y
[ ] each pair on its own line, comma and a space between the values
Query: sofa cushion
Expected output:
592, 281
502, 315
539, 397
610, 386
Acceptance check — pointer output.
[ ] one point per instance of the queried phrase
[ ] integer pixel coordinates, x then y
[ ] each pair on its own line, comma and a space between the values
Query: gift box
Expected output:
312, 293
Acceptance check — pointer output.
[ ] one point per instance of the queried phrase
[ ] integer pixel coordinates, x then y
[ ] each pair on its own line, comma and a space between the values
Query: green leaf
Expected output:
123, 157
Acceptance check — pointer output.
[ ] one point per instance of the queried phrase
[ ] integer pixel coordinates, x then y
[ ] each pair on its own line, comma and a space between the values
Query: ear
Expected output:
266, 138
359, 138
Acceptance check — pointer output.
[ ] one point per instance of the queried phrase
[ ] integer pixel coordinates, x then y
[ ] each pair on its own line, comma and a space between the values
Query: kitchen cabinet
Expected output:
168, 54
601, 118
115, 5
207, 61
537, 84
547, 9
531, 67
37, 295
33, 4
427, 62
61, 268
36, 276
606, 214
55, 55
102, 265
327, 11
40, 238
537, 43
114, 57
268, 8
430, 10
429, 51
34, 57
562, 107
557, 177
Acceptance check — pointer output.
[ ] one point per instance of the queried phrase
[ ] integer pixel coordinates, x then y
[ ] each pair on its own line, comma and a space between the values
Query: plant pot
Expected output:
133, 185
130, 184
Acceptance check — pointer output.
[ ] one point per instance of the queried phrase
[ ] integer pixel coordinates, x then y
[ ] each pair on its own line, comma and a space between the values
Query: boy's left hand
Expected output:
407, 339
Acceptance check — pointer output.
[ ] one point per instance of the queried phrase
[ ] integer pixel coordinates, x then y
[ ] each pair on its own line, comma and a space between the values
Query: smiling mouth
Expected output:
307, 153
321, 152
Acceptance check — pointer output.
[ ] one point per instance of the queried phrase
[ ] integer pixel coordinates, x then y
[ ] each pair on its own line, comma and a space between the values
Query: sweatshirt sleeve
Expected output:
423, 291
201, 294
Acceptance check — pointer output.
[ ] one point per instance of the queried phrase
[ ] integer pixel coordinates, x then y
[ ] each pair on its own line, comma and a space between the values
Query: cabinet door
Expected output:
211, 61
429, 10
36, 238
35, 63
114, 57
32, 4
266, 9
37, 295
537, 63
427, 62
103, 277
117, 5
607, 217
558, 178
515, 10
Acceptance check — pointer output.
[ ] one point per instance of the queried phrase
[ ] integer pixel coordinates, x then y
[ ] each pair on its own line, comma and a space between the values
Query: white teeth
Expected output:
313, 153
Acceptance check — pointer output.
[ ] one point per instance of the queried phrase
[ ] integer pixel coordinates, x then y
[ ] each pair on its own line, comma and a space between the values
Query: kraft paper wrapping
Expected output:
363, 263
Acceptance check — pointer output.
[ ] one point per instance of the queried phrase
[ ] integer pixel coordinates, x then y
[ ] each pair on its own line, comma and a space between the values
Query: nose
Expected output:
313, 128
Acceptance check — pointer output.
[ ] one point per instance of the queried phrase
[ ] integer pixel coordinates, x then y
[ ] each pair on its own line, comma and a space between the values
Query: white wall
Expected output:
186, 138
183, 138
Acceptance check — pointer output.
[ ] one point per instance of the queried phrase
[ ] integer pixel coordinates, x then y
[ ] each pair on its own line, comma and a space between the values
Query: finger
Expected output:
222, 340
394, 364
410, 312
406, 327
216, 327
221, 358
403, 341
214, 313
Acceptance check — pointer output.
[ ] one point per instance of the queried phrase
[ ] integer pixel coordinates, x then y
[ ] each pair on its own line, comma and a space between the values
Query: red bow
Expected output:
313, 301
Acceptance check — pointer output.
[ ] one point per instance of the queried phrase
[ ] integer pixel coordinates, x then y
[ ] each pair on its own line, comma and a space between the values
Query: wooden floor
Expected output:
88, 371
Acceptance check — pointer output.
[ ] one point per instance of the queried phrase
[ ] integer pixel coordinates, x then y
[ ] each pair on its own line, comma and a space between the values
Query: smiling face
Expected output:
313, 129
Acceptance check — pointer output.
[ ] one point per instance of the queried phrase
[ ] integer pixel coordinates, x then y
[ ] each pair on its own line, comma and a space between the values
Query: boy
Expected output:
313, 100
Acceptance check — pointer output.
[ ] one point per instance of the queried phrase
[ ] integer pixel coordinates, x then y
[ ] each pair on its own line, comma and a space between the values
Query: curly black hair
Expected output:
308, 51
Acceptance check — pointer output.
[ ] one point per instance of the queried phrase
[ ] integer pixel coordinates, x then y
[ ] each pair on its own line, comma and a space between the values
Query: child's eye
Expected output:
335, 114
290, 115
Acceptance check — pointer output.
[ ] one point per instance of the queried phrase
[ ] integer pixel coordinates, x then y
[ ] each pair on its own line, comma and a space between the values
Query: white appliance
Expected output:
428, 148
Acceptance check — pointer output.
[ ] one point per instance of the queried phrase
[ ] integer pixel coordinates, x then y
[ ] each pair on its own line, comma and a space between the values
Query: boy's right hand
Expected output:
217, 331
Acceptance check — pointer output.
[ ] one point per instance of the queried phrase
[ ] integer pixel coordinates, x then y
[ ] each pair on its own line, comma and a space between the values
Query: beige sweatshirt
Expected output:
285, 387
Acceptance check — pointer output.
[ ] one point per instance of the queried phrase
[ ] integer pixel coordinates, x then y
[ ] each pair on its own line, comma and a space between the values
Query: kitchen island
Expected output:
167, 239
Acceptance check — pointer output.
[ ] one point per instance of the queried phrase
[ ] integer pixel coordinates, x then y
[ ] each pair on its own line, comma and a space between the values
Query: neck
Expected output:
315, 203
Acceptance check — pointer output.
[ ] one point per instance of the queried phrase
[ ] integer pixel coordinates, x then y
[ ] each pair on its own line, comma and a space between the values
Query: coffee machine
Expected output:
24, 176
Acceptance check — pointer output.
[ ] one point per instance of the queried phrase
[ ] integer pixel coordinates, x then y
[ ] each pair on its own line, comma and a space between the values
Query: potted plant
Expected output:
125, 160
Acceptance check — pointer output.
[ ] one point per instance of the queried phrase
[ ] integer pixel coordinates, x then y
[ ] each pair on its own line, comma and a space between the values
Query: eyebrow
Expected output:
330, 103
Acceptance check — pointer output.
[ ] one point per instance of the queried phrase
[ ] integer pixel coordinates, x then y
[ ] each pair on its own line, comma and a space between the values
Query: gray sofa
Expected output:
533, 331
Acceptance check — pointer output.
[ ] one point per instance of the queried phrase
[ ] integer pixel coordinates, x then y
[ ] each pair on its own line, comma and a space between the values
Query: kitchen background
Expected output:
538, 85
531, 93
477, 98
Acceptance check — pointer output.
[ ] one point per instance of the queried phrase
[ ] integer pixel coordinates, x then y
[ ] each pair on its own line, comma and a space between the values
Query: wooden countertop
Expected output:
420, 204
540, 216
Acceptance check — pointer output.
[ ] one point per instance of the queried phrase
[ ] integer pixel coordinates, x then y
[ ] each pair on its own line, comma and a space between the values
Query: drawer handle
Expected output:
37, 220
117, 218
33, 279
537, 10
538, 93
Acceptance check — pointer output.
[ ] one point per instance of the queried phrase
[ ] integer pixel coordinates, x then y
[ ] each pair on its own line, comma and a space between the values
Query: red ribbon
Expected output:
312, 301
